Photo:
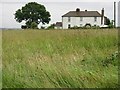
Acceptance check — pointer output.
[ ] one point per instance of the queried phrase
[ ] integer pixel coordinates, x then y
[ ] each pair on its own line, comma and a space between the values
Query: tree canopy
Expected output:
32, 12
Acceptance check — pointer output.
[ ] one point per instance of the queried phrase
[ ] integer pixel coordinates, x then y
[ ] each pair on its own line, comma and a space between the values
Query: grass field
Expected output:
60, 58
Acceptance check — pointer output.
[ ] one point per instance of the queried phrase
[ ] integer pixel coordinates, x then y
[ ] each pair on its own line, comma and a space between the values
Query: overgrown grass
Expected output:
60, 58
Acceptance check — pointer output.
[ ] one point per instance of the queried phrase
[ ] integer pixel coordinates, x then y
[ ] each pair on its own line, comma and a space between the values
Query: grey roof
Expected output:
82, 14
58, 24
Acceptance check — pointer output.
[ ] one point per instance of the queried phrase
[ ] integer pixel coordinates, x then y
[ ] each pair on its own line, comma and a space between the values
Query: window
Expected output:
95, 19
80, 25
68, 19
69, 26
81, 18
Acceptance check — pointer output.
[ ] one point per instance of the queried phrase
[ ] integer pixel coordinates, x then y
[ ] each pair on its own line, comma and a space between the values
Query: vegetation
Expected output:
86, 27
52, 26
60, 58
34, 25
111, 24
1, 59
32, 12
107, 21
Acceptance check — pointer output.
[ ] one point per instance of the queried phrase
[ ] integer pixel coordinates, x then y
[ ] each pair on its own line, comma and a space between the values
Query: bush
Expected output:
52, 26
86, 27
75, 27
24, 27
34, 25
95, 27
111, 24
112, 59
42, 27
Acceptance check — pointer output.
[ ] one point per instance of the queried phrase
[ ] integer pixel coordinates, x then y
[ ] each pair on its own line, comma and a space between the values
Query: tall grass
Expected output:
60, 59
0, 59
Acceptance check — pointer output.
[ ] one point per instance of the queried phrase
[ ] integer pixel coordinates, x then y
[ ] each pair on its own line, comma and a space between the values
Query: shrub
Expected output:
111, 24
34, 25
112, 59
24, 27
95, 27
88, 25
42, 27
75, 27
52, 26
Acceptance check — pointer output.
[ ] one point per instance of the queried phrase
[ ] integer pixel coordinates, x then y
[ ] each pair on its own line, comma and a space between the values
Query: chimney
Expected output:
77, 10
102, 16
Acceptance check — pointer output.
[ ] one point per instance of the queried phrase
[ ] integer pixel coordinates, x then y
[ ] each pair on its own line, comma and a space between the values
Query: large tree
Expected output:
32, 12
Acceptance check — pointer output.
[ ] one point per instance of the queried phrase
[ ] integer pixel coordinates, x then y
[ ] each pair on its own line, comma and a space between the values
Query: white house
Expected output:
83, 18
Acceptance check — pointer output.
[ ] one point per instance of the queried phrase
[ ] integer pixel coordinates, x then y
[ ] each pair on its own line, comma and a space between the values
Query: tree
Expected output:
107, 21
32, 12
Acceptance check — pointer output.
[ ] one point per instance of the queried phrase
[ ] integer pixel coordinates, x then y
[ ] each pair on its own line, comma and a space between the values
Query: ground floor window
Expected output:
81, 25
69, 25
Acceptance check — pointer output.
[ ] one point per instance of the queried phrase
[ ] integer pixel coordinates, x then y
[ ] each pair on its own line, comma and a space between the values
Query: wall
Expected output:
58, 27
75, 21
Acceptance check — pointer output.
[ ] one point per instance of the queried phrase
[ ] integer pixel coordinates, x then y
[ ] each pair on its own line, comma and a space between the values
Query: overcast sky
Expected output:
56, 9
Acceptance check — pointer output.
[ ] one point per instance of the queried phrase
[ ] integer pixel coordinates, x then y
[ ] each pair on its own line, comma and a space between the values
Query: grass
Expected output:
0, 59
60, 58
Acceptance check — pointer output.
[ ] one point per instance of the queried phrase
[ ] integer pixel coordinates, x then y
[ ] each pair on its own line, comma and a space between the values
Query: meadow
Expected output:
60, 58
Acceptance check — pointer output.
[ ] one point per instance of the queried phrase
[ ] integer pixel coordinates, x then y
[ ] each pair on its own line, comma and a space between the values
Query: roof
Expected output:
82, 14
59, 24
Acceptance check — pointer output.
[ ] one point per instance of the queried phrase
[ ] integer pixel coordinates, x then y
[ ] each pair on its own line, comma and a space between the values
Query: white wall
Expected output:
58, 27
75, 21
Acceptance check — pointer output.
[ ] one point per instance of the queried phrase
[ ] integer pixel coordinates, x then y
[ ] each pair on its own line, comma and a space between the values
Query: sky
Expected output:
56, 9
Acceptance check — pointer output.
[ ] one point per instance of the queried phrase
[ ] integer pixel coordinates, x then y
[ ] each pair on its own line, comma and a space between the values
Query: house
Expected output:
83, 18
58, 25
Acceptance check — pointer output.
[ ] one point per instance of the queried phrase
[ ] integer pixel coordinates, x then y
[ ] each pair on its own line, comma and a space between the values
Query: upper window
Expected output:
95, 19
68, 19
81, 18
